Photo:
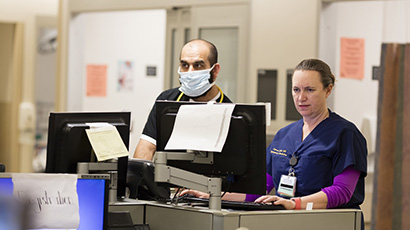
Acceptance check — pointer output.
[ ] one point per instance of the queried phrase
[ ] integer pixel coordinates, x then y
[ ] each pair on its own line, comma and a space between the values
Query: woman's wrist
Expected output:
298, 202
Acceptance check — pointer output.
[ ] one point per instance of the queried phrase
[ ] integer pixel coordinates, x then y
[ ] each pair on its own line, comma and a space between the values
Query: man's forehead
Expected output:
197, 44
195, 51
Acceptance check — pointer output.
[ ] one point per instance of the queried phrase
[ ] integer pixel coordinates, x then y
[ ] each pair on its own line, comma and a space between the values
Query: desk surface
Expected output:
164, 216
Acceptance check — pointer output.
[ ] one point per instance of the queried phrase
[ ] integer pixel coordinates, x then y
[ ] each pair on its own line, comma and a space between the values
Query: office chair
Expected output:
140, 181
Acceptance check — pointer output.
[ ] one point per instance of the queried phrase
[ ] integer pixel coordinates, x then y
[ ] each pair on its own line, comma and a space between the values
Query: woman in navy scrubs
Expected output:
320, 159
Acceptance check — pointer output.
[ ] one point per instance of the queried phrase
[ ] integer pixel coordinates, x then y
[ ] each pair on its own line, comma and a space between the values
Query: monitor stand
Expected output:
173, 175
110, 168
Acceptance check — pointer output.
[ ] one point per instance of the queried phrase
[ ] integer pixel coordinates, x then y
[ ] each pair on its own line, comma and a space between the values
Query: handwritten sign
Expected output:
51, 199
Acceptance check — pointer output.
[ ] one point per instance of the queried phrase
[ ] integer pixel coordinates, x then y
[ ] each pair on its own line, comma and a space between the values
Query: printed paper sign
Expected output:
201, 127
106, 141
125, 75
96, 80
51, 200
352, 58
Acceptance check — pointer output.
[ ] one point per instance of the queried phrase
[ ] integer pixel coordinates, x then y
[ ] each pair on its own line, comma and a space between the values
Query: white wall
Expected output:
282, 33
376, 22
396, 21
354, 99
105, 38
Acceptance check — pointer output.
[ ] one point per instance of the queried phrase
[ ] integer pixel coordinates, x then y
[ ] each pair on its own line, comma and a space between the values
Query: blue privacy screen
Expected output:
92, 198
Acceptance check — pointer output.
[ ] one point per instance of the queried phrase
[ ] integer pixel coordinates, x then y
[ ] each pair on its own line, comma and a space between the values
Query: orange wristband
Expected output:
298, 202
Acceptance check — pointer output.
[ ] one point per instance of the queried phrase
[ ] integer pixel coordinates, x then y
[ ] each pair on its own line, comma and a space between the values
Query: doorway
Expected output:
45, 72
226, 30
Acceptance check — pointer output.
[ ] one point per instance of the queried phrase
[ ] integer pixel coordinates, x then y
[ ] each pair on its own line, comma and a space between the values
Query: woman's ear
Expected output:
329, 90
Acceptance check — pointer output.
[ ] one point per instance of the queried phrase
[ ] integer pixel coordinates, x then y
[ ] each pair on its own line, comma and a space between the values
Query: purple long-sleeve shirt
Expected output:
343, 187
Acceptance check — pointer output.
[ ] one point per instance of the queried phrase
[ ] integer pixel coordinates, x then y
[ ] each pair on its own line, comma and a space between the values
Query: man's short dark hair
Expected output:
213, 52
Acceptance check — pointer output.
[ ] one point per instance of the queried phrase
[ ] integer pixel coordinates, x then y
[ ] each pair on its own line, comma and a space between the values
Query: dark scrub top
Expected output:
331, 147
171, 95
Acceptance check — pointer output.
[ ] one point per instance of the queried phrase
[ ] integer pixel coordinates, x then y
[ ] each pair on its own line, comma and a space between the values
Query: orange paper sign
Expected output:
352, 58
96, 80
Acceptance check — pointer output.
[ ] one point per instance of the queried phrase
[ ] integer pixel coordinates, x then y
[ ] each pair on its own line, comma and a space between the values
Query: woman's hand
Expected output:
288, 204
195, 193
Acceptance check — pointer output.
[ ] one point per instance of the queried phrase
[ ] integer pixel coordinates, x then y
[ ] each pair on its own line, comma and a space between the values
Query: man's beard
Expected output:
211, 79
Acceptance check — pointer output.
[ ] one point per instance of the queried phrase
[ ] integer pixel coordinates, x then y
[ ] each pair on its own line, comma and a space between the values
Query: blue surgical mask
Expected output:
195, 83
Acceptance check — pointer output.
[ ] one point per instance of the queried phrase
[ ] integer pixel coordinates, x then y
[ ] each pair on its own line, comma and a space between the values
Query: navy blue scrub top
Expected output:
332, 146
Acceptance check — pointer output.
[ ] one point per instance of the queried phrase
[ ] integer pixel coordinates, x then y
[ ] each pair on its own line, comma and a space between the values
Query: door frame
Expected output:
10, 134
219, 18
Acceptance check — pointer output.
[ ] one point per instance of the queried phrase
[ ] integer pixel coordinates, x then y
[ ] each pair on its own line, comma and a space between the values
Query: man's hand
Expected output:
195, 193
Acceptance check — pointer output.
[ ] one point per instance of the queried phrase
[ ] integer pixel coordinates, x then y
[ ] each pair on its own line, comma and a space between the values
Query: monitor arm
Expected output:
165, 173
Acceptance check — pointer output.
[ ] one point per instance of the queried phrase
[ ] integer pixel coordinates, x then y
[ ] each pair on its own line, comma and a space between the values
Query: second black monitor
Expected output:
242, 162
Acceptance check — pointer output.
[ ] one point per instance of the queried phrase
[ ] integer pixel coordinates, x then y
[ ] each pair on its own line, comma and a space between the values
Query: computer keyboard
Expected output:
227, 204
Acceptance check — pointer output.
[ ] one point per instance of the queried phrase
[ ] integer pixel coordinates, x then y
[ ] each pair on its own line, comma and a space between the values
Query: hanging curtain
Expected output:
391, 196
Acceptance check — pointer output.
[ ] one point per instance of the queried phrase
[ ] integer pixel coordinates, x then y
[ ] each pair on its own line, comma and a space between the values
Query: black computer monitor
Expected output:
242, 162
68, 143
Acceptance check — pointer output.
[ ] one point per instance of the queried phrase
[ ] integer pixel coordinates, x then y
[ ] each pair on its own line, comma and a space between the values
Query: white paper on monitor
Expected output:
106, 141
201, 127
52, 200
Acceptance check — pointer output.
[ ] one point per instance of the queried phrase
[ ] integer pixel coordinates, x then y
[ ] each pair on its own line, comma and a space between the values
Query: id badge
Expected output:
287, 186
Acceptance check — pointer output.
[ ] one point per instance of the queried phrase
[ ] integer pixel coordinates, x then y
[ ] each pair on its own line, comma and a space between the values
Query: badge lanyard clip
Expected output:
292, 162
